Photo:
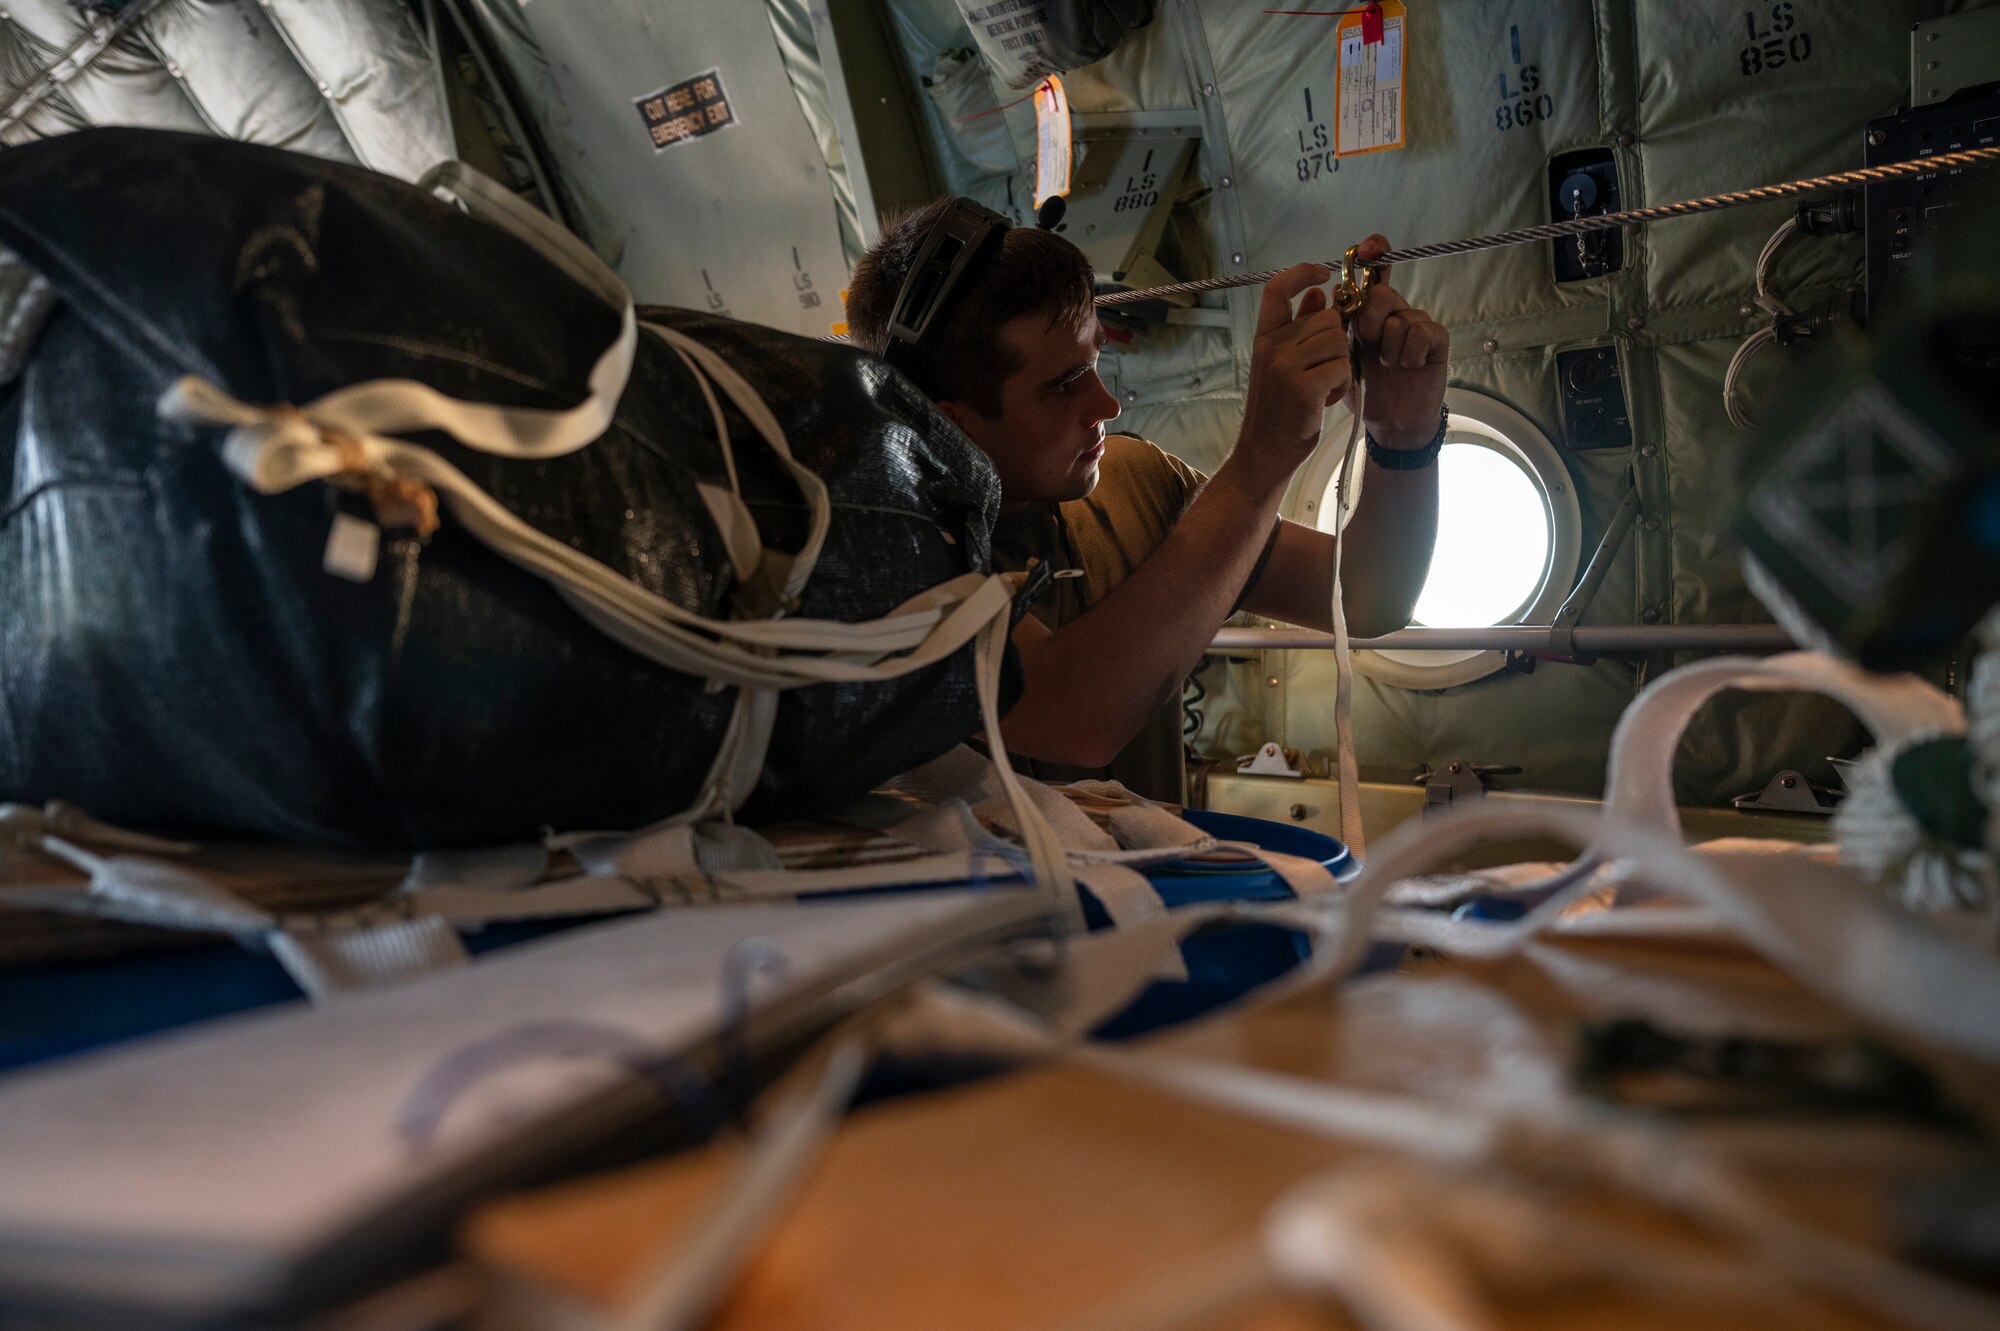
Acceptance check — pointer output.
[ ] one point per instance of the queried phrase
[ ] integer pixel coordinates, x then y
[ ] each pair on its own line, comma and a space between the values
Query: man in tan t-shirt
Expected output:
1165, 553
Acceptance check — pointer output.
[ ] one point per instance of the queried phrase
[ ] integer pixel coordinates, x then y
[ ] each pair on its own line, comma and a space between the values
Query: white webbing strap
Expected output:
26, 825
1640, 788
708, 366
1071, 825
1150, 827
1347, 766
1818, 922
1306, 877
1045, 849
277, 449
683, 1285
327, 964
140, 890
404, 406
1127, 895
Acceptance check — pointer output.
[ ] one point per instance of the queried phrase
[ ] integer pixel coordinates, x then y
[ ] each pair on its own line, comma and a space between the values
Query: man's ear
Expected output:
961, 415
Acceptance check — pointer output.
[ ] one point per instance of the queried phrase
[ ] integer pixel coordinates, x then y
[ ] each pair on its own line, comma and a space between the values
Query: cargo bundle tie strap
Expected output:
347, 434
1355, 290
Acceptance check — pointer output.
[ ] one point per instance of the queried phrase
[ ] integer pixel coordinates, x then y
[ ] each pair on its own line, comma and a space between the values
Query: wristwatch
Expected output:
1410, 459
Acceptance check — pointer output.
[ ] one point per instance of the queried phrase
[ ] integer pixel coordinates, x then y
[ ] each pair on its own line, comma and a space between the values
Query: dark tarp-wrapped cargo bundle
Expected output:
177, 654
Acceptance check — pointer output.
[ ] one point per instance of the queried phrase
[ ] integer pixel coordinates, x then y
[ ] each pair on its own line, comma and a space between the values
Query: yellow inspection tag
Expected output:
1368, 80
1051, 140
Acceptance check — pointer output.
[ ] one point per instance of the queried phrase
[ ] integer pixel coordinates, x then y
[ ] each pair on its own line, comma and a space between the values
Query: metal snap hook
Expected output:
1355, 279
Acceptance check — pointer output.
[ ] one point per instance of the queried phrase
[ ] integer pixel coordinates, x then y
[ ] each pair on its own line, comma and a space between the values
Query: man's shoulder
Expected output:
1131, 450
1131, 461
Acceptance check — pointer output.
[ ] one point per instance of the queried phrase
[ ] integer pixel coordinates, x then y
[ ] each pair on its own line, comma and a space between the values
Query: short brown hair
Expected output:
1033, 272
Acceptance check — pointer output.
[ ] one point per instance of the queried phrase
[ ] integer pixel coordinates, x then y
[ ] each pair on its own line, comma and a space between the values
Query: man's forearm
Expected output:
1093, 683
1386, 554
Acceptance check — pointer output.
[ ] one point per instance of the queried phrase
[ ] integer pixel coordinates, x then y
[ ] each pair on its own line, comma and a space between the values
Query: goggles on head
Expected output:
951, 253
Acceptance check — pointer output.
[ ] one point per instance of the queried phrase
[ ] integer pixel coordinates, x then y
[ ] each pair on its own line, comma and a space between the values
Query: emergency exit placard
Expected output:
1368, 80
684, 111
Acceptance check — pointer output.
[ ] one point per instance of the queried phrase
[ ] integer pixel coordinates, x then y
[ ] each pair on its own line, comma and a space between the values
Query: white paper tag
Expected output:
1052, 135
352, 547
1371, 87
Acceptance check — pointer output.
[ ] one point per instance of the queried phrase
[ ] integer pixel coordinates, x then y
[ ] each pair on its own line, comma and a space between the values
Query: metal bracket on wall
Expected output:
1270, 760
1184, 19
1562, 628
1789, 792
1950, 54
1129, 176
890, 162
466, 30
1458, 780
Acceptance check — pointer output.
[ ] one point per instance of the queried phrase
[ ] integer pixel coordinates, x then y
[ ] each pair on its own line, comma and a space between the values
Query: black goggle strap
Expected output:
954, 244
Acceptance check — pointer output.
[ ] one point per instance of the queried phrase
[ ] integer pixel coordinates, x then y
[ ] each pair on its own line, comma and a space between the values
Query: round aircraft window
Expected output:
1509, 534
1492, 549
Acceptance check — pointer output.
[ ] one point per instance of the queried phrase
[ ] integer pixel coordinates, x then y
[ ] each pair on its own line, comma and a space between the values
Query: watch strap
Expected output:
1411, 459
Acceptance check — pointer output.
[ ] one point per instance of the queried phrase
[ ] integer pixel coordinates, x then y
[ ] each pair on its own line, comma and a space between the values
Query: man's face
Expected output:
1049, 435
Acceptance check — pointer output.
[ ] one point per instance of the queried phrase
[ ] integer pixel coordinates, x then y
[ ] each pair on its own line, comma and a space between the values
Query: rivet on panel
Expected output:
1491, 344
1271, 681
1298, 812
1635, 323
1651, 616
1207, 89
1745, 311
1625, 140
1652, 524
1131, 395
1648, 451
1236, 258
1227, 182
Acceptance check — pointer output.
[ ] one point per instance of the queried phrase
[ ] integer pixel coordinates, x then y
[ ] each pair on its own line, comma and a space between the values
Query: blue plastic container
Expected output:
1229, 961
50, 1011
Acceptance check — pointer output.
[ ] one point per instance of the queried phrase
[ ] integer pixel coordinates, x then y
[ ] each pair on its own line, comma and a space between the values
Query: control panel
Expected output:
1900, 215
1593, 399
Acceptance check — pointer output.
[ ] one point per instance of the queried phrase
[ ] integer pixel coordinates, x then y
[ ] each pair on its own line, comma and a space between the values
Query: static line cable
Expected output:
1576, 226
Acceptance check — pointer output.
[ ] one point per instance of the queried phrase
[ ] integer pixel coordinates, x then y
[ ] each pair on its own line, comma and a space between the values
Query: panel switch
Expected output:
1593, 399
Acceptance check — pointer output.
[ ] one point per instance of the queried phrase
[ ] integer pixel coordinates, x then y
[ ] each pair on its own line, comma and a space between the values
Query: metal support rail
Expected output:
1601, 640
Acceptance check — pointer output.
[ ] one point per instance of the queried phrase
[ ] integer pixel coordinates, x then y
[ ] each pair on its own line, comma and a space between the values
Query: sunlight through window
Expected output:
1492, 549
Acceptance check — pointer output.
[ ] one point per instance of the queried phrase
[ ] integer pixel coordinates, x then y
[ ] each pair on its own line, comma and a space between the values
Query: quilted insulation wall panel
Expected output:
350, 80
686, 127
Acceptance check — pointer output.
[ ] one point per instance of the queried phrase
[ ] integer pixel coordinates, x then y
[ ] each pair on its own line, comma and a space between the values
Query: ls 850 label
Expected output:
1776, 40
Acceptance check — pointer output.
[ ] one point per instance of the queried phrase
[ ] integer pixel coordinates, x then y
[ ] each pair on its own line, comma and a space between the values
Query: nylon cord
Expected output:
1602, 222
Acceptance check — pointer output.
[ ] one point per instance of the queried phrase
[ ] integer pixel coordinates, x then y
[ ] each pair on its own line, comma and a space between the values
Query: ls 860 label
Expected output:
1524, 100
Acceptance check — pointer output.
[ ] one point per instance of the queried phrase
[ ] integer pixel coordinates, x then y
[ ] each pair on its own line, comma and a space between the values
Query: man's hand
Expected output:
1298, 368
1404, 354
